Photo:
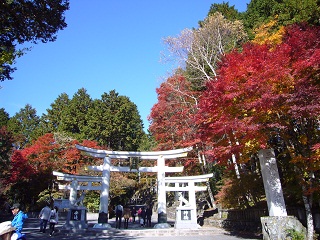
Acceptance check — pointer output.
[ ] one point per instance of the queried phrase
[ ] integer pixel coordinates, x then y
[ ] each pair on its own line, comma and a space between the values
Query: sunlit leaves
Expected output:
267, 96
171, 118
265, 34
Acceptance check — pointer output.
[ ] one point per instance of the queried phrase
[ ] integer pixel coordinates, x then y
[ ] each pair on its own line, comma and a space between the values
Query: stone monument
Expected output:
275, 225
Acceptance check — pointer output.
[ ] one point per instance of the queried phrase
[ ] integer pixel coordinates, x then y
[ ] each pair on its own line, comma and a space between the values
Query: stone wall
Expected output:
237, 220
277, 227
254, 220
247, 226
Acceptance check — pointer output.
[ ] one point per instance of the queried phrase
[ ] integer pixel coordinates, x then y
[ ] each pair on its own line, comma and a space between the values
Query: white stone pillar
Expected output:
161, 191
73, 192
192, 193
105, 185
176, 193
192, 202
272, 184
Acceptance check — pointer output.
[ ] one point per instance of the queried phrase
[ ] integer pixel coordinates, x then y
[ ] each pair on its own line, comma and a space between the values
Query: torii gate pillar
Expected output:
104, 196
162, 212
73, 192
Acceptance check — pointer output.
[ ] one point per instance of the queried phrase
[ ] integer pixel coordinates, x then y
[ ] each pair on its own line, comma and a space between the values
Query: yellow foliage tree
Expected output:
269, 33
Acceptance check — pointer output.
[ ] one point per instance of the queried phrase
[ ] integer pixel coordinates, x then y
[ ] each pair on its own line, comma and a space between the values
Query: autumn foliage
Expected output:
172, 117
20, 168
32, 166
263, 93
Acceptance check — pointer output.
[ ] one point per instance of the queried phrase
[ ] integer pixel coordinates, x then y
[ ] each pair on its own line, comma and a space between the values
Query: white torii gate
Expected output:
74, 187
161, 169
75, 179
186, 216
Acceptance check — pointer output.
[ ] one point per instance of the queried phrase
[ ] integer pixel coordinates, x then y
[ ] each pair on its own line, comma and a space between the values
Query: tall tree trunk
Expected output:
214, 206
202, 161
236, 168
310, 227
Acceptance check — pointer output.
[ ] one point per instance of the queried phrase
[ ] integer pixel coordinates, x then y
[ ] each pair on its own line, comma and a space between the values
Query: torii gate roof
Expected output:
169, 154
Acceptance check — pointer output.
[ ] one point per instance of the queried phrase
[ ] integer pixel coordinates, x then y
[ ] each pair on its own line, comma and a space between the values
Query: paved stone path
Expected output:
134, 232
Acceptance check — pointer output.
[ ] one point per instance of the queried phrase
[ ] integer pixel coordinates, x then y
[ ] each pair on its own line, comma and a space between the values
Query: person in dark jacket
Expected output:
119, 215
133, 214
148, 216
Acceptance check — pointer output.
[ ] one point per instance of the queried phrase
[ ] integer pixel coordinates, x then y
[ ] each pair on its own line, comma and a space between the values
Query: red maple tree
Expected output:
262, 92
171, 117
265, 95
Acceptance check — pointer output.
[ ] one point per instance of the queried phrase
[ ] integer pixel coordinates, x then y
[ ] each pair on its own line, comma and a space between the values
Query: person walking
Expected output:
148, 216
126, 216
44, 217
142, 217
139, 214
119, 214
54, 217
133, 214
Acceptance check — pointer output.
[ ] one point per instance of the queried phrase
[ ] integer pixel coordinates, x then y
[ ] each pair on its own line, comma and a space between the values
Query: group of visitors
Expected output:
51, 216
48, 215
144, 216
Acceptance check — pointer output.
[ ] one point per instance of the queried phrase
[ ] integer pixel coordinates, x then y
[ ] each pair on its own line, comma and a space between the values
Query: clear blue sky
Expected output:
108, 44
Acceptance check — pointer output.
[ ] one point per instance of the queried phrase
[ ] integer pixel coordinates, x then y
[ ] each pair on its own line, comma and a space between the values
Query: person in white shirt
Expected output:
53, 219
44, 216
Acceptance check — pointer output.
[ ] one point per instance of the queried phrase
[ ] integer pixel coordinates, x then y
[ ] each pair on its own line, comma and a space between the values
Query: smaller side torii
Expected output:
186, 215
